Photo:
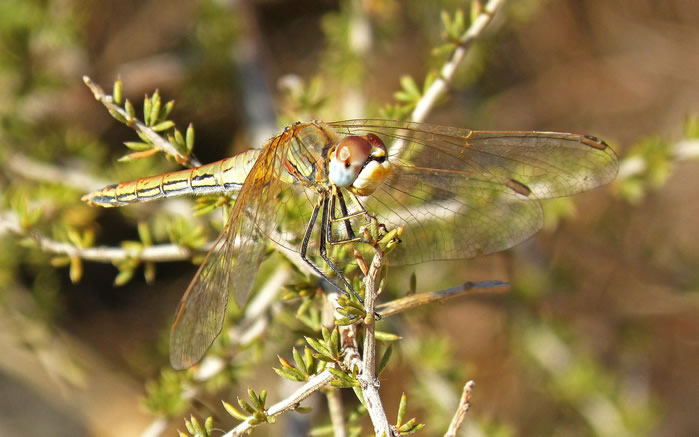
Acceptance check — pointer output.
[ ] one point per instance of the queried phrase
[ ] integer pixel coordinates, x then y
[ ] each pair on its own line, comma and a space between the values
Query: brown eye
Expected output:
347, 164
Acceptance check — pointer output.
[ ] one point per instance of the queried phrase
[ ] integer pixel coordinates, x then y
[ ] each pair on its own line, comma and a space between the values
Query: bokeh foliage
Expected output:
575, 348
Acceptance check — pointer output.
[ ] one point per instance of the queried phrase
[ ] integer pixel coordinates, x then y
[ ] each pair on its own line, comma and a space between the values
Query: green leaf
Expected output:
144, 234
118, 116
245, 406
156, 103
343, 379
256, 400
384, 359
123, 277
360, 396
76, 269
410, 427
130, 111
410, 92
179, 139
163, 126
117, 94
149, 272
299, 361
197, 429
291, 374
230, 409
317, 346
60, 261
386, 336
137, 146
402, 406
308, 360
334, 343
143, 136
147, 106
190, 138
167, 109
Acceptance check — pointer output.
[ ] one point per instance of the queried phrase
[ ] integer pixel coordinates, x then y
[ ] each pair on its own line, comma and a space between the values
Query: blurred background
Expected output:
599, 333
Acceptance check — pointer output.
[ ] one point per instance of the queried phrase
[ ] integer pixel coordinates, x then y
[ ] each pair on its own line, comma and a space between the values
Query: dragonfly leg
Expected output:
323, 251
325, 234
345, 219
380, 227
352, 236
350, 233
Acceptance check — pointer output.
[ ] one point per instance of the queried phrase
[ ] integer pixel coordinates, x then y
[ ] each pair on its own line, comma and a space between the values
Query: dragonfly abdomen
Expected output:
222, 176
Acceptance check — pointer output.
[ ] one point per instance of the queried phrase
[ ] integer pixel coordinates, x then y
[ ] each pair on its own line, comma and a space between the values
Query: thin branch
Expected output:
419, 299
446, 74
460, 415
258, 313
315, 383
9, 222
157, 141
368, 380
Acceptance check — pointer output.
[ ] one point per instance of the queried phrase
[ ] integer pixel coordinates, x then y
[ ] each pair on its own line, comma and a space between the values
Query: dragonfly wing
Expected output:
461, 193
551, 164
200, 313
231, 264
468, 218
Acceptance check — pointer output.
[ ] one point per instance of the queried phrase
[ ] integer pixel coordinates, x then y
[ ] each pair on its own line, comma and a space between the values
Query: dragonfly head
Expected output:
359, 163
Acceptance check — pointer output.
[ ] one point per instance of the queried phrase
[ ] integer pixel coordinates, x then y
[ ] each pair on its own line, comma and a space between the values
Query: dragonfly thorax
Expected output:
359, 163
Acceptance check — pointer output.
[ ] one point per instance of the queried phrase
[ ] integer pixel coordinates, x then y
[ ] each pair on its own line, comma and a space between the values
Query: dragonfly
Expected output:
456, 193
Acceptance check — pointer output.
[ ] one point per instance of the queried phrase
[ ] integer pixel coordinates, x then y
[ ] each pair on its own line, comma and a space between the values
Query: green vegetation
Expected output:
574, 347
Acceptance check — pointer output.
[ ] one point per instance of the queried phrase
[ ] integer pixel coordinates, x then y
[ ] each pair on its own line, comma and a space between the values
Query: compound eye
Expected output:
347, 161
353, 150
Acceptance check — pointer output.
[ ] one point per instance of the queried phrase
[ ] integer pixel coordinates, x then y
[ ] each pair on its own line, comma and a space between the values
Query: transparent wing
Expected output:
302, 174
460, 193
231, 264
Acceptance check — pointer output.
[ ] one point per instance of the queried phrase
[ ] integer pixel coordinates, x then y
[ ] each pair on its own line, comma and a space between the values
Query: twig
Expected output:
157, 141
368, 380
446, 74
9, 222
469, 288
251, 326
315, 383
163, 252
460, 415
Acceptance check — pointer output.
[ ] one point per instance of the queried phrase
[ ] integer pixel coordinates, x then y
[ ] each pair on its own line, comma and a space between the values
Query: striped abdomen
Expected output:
222, 176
